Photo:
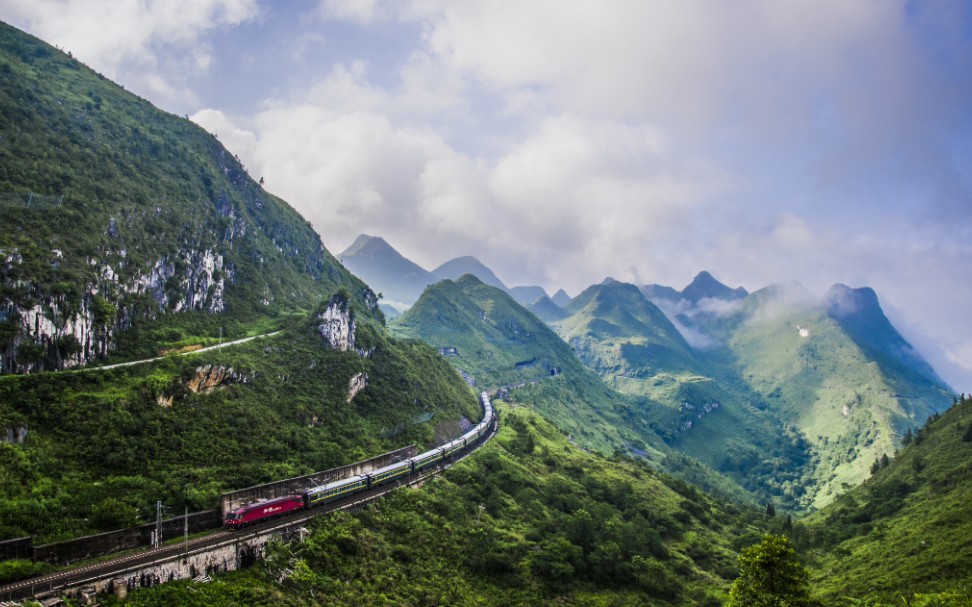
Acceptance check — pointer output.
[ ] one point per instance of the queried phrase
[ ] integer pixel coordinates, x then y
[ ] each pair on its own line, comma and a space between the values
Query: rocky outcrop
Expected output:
211, 377
200, 284
14, 436
336, 324
358, 383
58, 332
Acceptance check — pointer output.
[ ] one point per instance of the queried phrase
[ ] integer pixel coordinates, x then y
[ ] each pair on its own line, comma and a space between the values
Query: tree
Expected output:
770, 509
771, 575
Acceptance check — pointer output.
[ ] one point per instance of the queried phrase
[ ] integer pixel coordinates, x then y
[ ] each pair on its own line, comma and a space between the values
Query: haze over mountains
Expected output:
402, 281
723, 369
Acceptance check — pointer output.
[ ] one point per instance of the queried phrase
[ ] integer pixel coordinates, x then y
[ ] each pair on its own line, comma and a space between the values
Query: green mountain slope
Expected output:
127, 230
813, 375
905, 530
454, 268
113, 214
859, 314
546, 310
101, 447
527, 520
613, 325
708, 414
499, 343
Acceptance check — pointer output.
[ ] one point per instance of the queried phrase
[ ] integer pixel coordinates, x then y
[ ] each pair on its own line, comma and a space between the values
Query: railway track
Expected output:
55, 583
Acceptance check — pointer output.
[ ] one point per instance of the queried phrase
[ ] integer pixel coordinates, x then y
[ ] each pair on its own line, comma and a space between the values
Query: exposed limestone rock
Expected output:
337, 324
210, 377
14, 436
57, 334
358, 383
164, 401
200, 285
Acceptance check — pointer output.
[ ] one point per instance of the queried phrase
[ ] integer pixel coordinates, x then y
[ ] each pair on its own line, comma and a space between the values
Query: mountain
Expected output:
705, 286
115, 215
626, 326
398, 279
526, 295
499, 343
705, 414
546, 310
131, 232
656, 292
454, 268
905, 530
561, 298
812, 375
859, 314
739, 372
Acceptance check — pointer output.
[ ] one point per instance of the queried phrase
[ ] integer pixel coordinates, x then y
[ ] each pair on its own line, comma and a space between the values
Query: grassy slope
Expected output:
708, 415
527, 520
101, 450
493, 333
613, 326
118, 183
826, 387
907, 529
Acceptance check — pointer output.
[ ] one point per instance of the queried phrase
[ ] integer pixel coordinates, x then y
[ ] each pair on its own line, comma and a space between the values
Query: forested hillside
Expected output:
128, 232
907, 529
528, 520
99, 448
114, 214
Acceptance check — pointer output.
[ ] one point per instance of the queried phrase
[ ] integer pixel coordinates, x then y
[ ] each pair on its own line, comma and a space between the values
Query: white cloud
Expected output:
355, 11
131, 42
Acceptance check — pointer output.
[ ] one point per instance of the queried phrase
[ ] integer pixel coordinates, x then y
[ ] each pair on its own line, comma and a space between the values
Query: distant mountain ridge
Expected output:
402, 281
377, 263
835, 372
454, 268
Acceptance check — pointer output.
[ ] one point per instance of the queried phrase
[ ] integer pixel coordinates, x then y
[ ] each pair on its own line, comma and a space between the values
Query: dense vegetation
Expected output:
906, 530
499, 343
102, 447
528, 520
705, 412
116, 212
790, 399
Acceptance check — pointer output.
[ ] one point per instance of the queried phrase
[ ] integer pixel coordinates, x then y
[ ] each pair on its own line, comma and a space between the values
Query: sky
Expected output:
766, 141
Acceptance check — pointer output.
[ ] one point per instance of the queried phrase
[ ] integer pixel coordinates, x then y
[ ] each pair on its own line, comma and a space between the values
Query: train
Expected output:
340, 489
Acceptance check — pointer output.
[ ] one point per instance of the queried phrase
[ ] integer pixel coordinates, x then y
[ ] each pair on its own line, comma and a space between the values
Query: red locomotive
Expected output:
263, 510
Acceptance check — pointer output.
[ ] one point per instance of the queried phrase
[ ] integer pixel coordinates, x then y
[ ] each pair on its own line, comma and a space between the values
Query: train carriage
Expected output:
451, 448
427, 459
335, 491
389, 473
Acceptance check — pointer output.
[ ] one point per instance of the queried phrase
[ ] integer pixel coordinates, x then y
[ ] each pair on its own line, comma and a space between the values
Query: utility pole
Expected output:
185, 533
158, 524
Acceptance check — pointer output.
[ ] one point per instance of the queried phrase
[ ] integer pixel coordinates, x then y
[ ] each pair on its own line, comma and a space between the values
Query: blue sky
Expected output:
765, 141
